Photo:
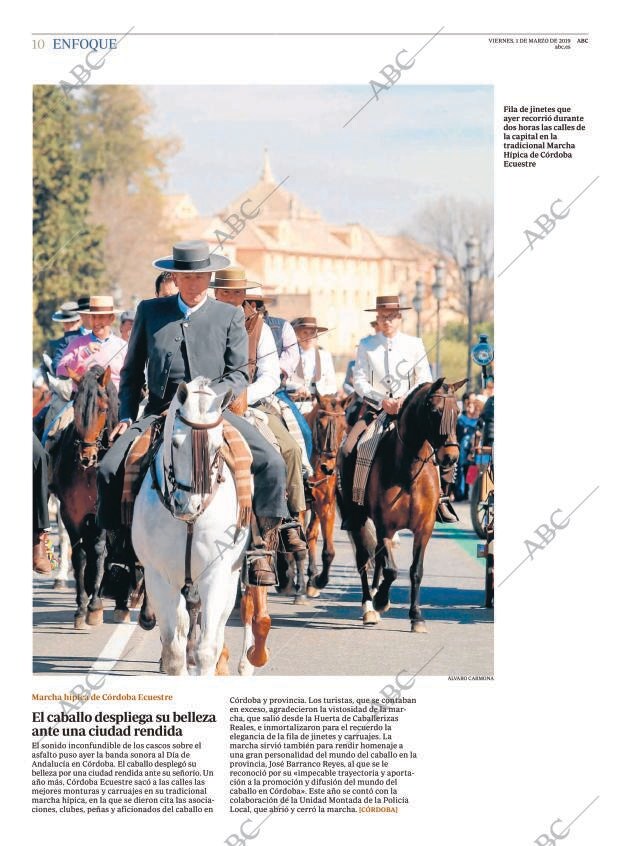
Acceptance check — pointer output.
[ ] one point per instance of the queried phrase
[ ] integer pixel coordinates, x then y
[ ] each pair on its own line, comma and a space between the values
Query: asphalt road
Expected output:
459, 639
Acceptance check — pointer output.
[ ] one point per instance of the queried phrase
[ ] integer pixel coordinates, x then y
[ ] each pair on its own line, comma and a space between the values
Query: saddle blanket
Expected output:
236, 454
284, 410
366, 451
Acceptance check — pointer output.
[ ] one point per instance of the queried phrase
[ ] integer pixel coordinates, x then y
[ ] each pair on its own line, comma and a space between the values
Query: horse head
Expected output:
328, 429
193, 435
95, 411
431, 412
443, 413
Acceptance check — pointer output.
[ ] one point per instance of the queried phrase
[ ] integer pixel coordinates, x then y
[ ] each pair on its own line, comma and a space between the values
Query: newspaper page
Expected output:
269, 248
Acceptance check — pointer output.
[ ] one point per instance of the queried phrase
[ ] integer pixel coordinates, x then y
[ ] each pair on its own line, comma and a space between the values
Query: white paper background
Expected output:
500, 761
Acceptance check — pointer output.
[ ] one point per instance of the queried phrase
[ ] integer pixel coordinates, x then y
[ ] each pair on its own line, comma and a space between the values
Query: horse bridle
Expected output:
188, 591
330, 432
447, 411
172, 484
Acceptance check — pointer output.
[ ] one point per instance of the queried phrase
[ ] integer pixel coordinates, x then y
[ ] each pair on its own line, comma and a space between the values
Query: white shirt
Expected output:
267, 377
390, 366
327, 384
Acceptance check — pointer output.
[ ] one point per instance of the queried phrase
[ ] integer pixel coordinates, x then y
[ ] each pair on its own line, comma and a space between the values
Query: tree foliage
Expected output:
445, 224
130, 167
98, 204
67, 246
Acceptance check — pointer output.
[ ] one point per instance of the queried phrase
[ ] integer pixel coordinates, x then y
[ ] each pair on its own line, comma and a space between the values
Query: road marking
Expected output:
466, 539
113, 648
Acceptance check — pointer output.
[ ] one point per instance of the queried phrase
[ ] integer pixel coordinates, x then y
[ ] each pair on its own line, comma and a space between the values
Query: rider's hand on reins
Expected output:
390, 405
119, 429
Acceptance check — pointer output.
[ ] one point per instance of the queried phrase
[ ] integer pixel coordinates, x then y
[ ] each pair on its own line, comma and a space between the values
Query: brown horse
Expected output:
328, 423
403, 493
75, 463
41, 396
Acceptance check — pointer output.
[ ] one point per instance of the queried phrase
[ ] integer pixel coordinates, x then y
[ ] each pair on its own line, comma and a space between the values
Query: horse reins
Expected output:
449, 414
326, 447
200, 483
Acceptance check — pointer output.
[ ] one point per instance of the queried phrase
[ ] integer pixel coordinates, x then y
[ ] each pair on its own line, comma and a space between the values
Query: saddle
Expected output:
235, 452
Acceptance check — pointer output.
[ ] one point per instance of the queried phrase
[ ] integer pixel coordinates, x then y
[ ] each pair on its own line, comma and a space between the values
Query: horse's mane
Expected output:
85, 406
411, 398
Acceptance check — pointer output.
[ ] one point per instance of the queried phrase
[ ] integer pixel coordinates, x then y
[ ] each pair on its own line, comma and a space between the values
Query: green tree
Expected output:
130, 170
67, 247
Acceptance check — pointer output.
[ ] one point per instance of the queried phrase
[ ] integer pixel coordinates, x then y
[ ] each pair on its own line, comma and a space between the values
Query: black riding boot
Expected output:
445, 510
261, 556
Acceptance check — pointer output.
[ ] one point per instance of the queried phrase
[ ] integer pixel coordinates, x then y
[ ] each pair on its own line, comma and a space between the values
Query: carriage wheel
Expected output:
479, 511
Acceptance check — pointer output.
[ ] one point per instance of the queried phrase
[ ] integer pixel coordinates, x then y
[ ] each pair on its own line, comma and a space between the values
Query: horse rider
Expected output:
348, 386
83, 302
288, 356
69, 316
230, 286
165, 285
99, 346
126, 323
388, 366
43, 558
315, 371
178, 338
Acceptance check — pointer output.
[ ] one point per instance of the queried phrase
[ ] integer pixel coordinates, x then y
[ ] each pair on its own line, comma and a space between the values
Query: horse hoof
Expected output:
312, 592
320, 581
122, 615
147, 623
254, 661
300, 599
60, 584
94, 617
382, 609
79, 622
419, 627
370, 618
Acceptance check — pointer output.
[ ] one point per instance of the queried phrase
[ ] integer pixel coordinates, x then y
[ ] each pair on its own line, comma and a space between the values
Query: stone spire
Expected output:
266, 175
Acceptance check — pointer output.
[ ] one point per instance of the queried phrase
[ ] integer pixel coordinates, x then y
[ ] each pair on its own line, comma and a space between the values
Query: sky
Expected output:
412, 145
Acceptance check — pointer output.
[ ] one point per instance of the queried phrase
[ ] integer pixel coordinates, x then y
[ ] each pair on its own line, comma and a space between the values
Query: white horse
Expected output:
193, 504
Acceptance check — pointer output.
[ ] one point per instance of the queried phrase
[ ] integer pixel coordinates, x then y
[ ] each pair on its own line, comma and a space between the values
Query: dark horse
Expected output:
74, 475
328, 423
403, 493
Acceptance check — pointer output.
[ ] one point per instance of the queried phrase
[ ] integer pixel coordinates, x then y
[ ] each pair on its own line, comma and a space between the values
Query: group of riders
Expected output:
207, 319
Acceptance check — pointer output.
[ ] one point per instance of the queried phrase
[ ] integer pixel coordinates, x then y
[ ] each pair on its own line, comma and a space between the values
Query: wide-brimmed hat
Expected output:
308, 323
67, 313
390, 301
103, 304
83, 302
233, 279
256, 293
130, 314
191, 257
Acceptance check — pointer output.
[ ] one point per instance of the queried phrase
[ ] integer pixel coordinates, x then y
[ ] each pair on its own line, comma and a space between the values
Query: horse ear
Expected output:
105, 377
182, 393
456, 385
225, 399
437, 384
74, 376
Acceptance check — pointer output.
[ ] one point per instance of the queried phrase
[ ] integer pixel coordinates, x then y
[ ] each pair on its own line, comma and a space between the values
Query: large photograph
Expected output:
263, 387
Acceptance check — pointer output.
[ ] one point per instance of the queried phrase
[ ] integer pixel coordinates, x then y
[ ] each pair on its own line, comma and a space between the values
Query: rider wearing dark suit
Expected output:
177, 340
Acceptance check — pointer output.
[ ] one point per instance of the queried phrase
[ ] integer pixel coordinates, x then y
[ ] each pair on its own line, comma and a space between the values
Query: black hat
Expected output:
83, 302
192, 257
67, 313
